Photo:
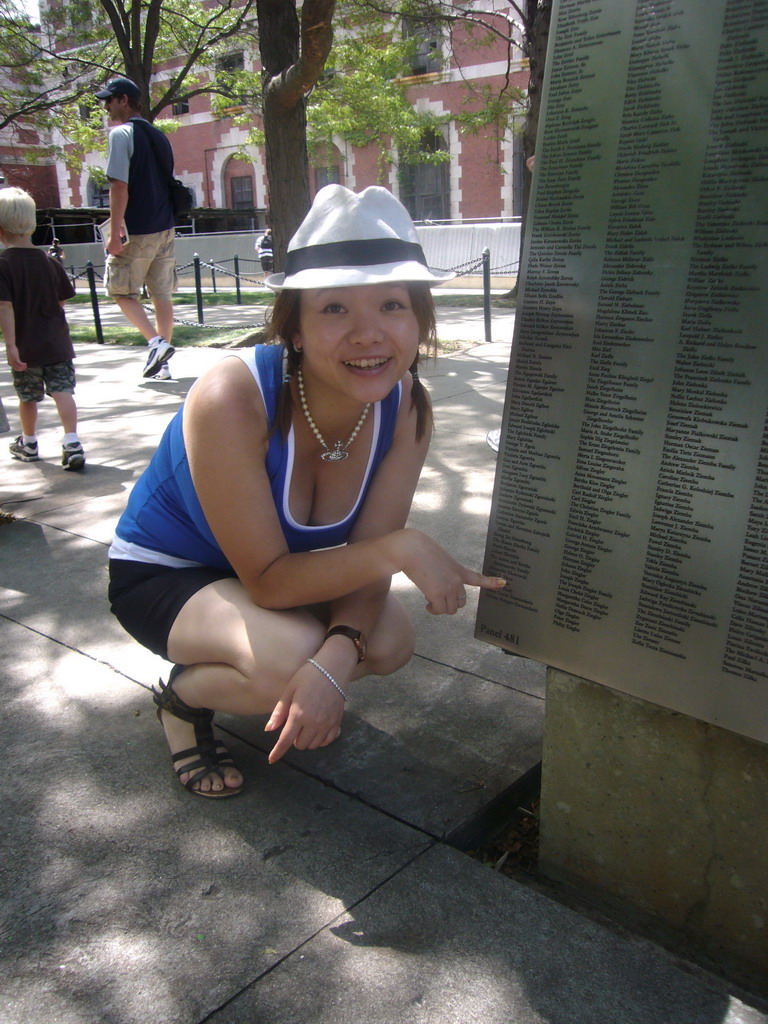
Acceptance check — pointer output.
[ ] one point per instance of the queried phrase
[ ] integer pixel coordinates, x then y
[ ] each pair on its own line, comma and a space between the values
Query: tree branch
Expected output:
316, 41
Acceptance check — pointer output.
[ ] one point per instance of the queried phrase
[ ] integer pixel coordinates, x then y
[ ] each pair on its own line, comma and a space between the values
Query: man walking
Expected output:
141, 247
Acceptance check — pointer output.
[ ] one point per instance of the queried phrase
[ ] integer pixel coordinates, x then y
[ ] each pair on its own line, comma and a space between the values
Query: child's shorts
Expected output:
146, 598
35, 382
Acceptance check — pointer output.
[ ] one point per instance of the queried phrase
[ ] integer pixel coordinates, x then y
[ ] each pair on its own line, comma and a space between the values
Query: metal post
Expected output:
198, 287
487, 292
236, 260
94, 302
213, 278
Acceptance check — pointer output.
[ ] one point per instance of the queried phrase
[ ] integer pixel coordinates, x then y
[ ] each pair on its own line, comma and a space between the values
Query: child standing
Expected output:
33, 290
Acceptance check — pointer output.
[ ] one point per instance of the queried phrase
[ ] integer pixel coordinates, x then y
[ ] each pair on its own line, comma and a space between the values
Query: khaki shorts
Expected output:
146, 259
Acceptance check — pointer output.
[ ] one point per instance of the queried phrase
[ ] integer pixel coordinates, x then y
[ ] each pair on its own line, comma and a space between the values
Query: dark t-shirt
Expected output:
35, 284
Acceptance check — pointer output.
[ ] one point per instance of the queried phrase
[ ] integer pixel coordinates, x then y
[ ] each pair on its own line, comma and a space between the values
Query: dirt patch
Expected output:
516, 848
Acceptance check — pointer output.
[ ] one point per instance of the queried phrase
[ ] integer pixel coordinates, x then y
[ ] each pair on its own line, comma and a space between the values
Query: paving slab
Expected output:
424, 746
448, 941
428, 745
322, 892
125, 898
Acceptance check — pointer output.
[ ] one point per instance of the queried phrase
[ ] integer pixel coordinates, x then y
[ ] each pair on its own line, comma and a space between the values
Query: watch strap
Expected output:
355, 635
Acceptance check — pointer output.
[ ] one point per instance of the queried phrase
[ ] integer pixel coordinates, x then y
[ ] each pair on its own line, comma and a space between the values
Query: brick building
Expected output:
24, 163
481, 180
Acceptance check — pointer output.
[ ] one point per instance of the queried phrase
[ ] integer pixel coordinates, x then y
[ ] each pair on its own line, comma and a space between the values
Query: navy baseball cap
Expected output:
119, 87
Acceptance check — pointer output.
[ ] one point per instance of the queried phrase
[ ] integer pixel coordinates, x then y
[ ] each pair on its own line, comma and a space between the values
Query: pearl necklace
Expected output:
339, 451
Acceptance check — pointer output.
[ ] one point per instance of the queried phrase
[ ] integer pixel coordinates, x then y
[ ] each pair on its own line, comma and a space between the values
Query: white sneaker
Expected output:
164, 373
158, 356
72, 456
24, 452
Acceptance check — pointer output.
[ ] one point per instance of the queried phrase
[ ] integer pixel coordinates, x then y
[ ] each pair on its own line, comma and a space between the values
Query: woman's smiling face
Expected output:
361, 339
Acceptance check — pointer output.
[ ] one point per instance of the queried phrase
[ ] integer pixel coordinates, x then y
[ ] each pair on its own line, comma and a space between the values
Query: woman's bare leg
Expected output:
390, 642
241, 657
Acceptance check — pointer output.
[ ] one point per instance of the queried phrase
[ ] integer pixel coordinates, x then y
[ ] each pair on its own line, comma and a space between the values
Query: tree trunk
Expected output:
293, 56
539, 15
285, 132
536, 50
285, 137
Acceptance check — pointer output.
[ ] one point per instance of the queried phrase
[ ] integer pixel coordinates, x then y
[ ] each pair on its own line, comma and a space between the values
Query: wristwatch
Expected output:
357, 638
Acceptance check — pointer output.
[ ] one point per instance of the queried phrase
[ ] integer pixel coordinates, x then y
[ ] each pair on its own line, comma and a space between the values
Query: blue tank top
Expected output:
164, 515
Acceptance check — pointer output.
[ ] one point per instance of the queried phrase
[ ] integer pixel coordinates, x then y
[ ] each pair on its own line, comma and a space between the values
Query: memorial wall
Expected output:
630, 509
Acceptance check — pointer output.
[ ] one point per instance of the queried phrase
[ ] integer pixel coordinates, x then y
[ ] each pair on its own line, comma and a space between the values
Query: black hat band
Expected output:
365, 252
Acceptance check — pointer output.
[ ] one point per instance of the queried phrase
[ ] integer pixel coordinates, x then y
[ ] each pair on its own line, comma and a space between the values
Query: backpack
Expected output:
181, 196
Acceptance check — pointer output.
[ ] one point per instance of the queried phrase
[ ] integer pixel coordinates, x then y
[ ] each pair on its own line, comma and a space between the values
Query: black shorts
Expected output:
146, 599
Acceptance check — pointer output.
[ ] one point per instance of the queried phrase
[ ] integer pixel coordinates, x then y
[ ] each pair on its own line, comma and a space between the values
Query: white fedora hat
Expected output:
350, 238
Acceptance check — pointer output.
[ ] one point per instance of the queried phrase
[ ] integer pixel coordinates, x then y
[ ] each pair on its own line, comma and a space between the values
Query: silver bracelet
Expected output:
328, 676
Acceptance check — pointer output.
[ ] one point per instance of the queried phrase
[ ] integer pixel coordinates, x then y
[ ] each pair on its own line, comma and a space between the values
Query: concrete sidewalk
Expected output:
327, 893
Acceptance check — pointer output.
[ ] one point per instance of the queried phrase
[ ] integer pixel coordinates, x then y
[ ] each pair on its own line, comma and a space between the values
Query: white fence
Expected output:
456, 247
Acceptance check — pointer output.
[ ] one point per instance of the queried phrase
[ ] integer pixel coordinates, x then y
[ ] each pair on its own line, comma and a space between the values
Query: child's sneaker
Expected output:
72, 455
164, 373
25, 452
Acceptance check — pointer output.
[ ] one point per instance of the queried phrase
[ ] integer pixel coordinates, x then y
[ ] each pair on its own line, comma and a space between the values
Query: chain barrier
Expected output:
461, 269
213, 327
223, 270
469, 267
76, 274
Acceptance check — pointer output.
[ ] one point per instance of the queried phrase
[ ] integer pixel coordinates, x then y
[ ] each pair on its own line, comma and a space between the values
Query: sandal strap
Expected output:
168, 700
198, 769
209, 762
223, 757
211, 756
216, 753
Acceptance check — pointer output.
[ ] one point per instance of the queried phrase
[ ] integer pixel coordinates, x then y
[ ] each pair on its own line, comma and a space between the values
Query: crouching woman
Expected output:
257, 549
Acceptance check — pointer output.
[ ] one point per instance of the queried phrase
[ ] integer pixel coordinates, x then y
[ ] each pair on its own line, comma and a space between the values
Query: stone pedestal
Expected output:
660, 815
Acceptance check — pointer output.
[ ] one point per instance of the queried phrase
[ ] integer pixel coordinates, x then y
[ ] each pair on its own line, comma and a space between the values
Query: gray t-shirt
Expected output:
119, 152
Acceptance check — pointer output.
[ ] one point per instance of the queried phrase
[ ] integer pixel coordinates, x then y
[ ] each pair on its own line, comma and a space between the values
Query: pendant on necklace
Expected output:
339, 451
337, 454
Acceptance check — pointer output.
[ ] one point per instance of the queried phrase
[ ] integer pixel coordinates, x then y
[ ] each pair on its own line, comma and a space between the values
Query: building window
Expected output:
98, 195
425, 188
326, 176
180, 107
80, 14
326, 163
227, 68
242, 193
231, 62
428, 56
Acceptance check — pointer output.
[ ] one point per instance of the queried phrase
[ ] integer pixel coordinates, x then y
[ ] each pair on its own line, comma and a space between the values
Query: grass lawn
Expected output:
188, 298
182, 335
261, 298
124, 334
195, 336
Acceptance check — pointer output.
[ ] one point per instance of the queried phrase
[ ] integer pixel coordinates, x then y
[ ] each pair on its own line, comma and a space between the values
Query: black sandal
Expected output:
212, 755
